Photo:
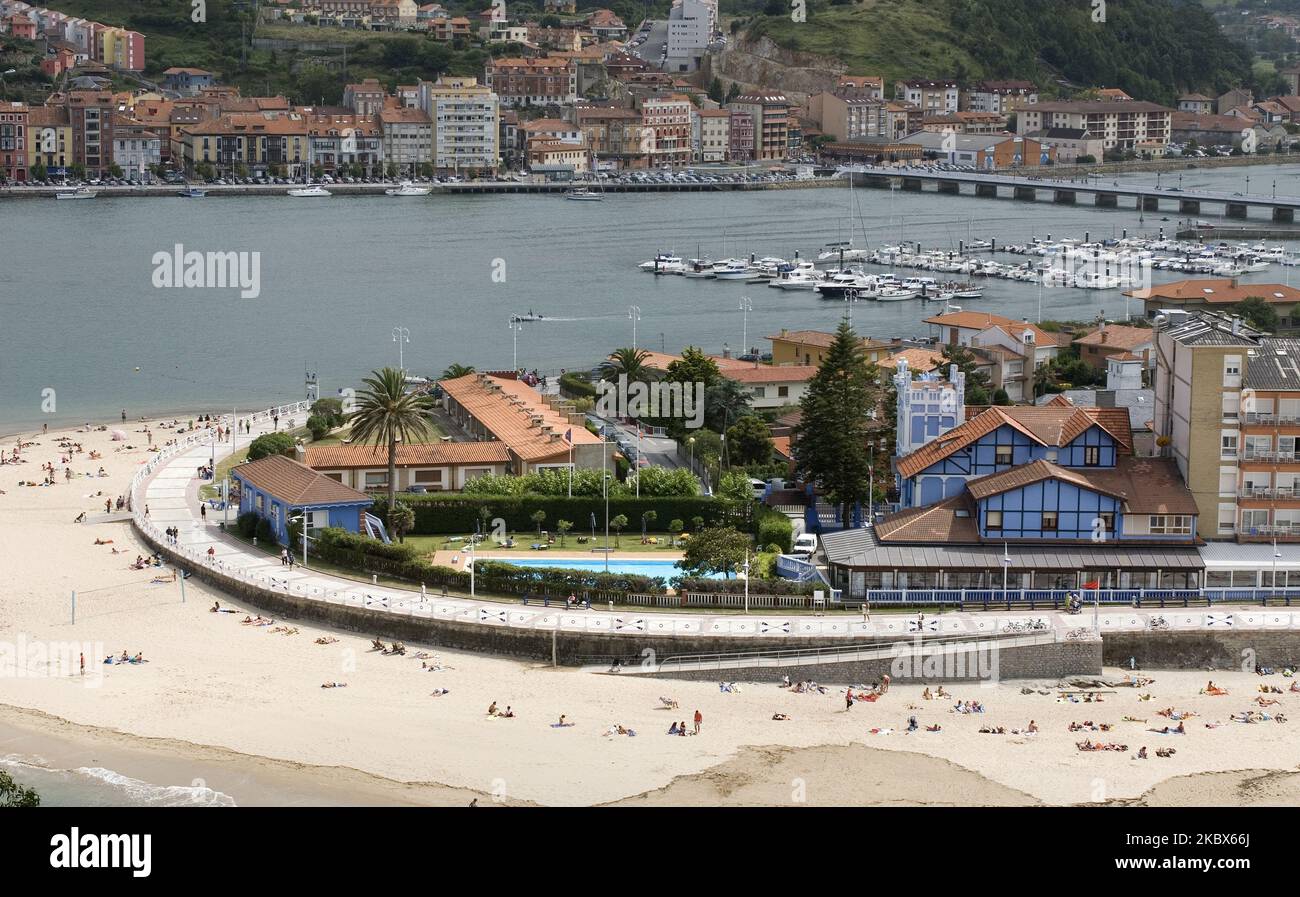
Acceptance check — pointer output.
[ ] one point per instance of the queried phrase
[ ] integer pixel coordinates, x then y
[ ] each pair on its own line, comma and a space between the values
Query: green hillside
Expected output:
1154, 49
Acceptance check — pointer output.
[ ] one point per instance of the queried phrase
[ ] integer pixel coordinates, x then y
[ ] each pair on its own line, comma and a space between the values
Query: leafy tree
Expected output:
632, 363
331, 409
725, 402
697, 523
12, 794
562, 527
455, 371
831, 440
647, 521
693, 366
735, 487
1256, 311
115, 170
319, 427
976, 380
618, 524
719, 549
1000, 397
402, 520
716, 91
675, 526
749, 441
1044, 379
280, 443
387, 412
538, 517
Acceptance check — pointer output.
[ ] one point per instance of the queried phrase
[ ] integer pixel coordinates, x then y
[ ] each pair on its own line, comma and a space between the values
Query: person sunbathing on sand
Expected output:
492, 709
780, 716
926, 694
334, 685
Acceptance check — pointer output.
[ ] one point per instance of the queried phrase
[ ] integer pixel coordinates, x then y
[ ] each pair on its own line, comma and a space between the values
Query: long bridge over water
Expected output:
1104, 193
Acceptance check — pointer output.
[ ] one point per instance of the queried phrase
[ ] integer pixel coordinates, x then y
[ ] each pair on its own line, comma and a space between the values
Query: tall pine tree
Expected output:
831, 441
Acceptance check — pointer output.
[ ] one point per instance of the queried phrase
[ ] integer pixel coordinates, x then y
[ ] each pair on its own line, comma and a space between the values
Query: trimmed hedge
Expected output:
773, 528
442, 513
575, 386
736, 586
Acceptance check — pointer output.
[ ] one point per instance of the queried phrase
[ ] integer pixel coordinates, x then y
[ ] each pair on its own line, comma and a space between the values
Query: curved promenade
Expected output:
168, 488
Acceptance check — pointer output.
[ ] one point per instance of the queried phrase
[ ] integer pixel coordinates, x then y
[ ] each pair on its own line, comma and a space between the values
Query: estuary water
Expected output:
80, 313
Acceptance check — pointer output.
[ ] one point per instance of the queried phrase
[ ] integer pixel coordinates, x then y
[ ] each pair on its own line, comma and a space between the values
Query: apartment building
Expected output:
612, 132
931, 97
136, 149
13, 142
538, 81
691, 24
1228, 412
366, 98
740, 129
337, 139
668, 119
257, 140
1118, 124
714, 135
93, 114
850, 114
408, 138
770, 114
49, 139
466, 127
1003, 97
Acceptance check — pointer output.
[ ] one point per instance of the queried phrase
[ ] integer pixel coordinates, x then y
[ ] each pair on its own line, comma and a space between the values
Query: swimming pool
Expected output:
664, 569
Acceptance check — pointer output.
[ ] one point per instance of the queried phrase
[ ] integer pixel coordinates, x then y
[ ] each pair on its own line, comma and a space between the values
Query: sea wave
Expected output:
97, 786
147, 794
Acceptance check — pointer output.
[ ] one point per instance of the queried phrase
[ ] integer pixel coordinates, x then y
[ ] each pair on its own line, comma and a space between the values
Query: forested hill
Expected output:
1154, 49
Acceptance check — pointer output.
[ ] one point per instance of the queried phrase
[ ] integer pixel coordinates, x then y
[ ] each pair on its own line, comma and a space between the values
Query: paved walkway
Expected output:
168, 487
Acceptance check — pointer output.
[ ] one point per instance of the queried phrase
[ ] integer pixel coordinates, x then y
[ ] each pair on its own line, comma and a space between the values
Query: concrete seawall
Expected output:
1217, 650
973, 661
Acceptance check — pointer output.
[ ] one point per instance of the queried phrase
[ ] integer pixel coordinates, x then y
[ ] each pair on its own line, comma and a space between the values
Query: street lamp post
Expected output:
401, 336
746, 306
634, 313
1272, 591
516, 325
1006, 566
746, 580
303, 518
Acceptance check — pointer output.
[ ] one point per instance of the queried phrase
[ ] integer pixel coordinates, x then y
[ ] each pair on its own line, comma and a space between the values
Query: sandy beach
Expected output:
221, 698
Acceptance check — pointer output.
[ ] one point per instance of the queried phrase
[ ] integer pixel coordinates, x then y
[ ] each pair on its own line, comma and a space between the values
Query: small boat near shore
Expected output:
407, 188
82, 192
309, 191
192, 192
584, 194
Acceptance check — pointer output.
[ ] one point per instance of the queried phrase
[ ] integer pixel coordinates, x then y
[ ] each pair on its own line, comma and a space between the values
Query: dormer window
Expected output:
1091, 456
1002, 455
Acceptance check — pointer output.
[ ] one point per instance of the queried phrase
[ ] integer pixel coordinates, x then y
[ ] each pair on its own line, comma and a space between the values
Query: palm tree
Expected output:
629, 362
386, 412
457, 370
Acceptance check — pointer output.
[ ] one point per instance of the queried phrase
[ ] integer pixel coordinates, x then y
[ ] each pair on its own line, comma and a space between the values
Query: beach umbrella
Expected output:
119, 436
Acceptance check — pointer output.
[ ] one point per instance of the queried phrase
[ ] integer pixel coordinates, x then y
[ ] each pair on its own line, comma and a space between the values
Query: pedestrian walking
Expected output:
284, 557
848, 699
83, 663
699, 720
203, 512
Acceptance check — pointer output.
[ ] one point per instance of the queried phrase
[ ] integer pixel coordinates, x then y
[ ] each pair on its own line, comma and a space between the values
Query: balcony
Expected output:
1283, 532
1272, 420
1283, 493
1250, 454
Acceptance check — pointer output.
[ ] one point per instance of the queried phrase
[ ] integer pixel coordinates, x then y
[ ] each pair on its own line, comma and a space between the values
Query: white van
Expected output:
805, 545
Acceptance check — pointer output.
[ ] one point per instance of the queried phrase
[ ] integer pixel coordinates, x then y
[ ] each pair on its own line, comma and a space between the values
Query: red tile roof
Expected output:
767, 373
431, 454
296, 483
507, 407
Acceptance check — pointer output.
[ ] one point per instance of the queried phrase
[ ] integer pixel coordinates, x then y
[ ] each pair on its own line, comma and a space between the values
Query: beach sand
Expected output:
217, 695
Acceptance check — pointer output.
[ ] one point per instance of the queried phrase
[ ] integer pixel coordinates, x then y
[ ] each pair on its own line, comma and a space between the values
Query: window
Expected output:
377, 480
1091, 456
1049, 521
1228, 446
1171, 525
993, 520
1002, 454
1107, 519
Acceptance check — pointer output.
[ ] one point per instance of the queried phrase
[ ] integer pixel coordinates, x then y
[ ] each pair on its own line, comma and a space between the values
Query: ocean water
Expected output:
99, 787
80, 315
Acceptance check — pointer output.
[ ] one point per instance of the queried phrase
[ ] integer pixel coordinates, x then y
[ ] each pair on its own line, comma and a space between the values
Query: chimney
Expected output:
1236, 324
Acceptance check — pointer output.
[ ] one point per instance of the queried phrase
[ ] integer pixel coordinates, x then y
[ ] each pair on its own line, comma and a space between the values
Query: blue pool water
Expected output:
665, 569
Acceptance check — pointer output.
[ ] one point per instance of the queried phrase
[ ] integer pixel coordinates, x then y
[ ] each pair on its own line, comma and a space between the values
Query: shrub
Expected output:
264, 531
270, 444
319, 426
773, 528
575, 386
247, 524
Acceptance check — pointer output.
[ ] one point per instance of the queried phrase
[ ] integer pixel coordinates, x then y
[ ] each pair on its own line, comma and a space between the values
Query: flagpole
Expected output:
570, 463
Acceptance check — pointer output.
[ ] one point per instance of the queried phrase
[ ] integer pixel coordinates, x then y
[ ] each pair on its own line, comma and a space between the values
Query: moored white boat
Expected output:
82, 192
309, 190
408, 188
